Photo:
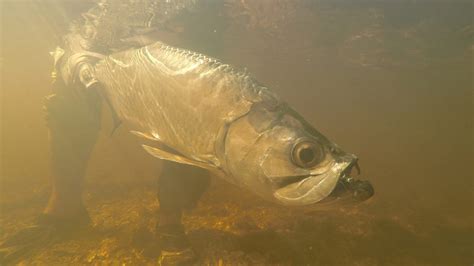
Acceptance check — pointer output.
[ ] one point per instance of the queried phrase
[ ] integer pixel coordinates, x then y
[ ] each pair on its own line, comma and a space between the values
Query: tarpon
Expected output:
202, 112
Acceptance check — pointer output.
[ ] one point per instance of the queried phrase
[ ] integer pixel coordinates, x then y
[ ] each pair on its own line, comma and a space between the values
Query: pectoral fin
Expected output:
165, 155
144, 135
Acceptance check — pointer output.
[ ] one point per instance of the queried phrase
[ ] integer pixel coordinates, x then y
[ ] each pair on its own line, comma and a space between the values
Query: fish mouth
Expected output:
349, 189
337, 184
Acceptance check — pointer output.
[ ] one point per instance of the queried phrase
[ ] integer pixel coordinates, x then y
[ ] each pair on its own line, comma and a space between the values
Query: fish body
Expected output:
179, 98
202, 112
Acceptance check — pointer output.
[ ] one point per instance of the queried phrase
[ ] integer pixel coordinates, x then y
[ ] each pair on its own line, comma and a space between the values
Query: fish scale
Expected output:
185, 98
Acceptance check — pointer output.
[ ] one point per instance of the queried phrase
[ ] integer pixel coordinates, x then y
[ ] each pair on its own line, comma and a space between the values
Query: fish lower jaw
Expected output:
311, 189
288, 181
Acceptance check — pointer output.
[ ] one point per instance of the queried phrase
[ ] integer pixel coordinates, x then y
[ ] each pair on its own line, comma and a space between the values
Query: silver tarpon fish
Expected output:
202, 112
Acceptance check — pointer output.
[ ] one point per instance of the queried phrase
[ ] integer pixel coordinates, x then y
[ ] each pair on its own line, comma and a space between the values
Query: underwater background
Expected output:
390, 81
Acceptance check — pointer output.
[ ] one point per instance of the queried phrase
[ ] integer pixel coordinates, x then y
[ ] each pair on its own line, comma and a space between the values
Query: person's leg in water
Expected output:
73, 118
179, 188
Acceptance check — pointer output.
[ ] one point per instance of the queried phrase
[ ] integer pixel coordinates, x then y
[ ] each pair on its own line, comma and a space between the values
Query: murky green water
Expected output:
390, 82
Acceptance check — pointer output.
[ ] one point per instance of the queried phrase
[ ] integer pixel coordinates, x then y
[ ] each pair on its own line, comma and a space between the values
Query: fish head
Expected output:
279, 156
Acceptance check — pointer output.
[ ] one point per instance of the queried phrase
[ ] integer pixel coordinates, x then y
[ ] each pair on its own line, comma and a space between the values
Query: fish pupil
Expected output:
307, 155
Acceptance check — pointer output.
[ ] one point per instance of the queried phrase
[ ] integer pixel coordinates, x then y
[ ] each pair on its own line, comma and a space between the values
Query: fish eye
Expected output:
306, 154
